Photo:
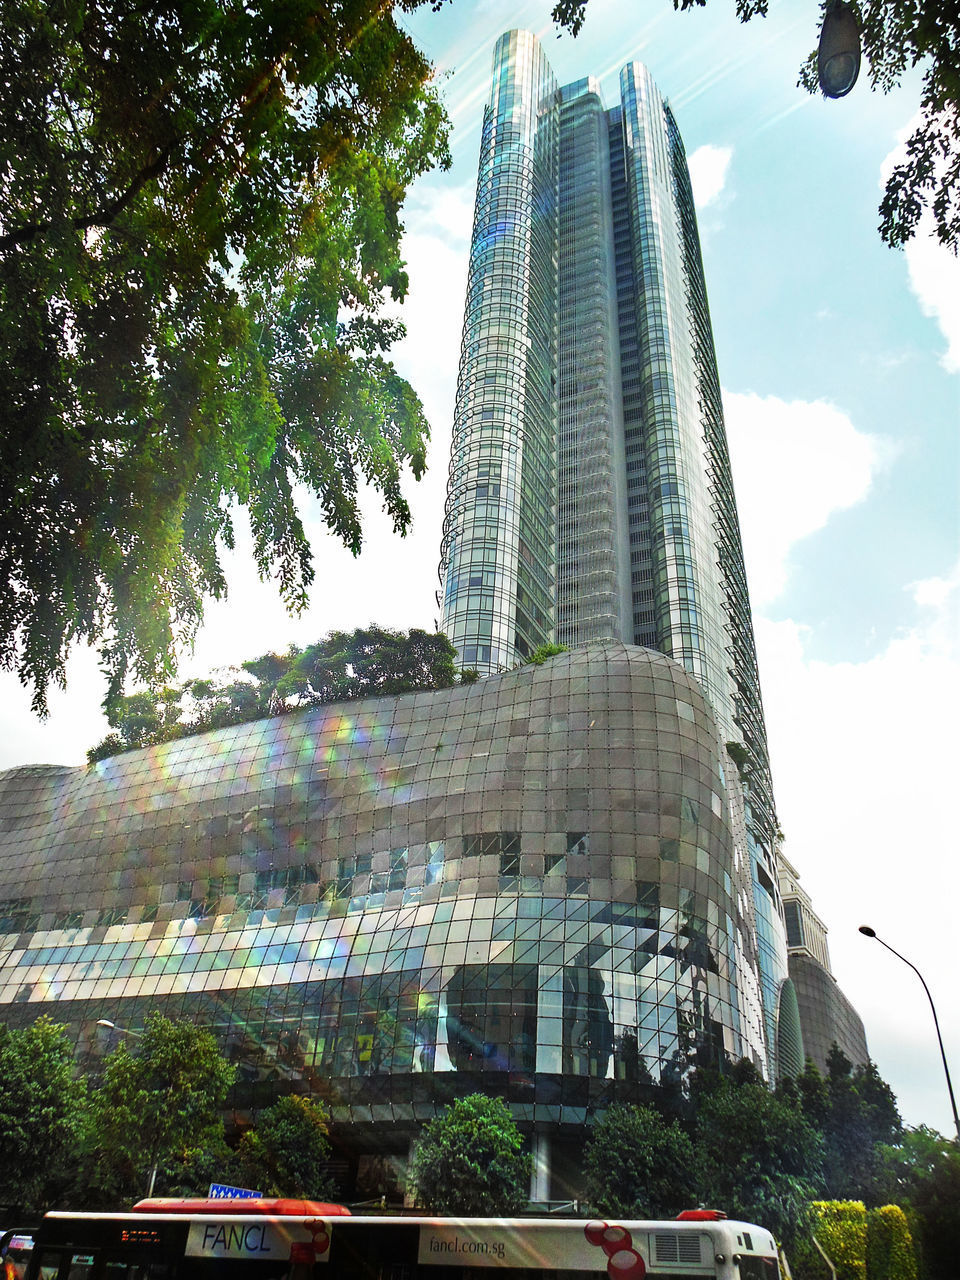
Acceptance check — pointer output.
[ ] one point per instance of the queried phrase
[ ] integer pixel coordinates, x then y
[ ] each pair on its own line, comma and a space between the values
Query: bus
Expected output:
280, 1241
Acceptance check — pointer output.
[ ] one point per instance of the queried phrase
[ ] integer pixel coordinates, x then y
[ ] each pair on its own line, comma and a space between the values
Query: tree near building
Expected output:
541, 655
896, 37
190, 1170
922, 1173
469, 1161
199, 233
155, 1103
41, 1114
639, 1165
761, 1160
287, 1152
855, 1111
369, 662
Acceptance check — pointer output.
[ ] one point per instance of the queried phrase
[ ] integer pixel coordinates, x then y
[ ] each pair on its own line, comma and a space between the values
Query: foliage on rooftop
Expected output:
369, 662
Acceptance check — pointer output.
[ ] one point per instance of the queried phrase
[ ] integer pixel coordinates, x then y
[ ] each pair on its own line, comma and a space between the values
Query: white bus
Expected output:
289, 1240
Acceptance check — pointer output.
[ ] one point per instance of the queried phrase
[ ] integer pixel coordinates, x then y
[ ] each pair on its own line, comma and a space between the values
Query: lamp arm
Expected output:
936, 1023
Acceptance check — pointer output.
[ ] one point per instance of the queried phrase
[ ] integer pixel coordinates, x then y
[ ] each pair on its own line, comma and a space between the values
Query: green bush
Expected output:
805, 1262
890, 1253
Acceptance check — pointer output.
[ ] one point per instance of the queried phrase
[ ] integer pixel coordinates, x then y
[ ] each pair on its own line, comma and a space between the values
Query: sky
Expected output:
840, 364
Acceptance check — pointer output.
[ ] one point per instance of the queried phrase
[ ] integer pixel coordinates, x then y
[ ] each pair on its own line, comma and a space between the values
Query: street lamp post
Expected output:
125, 1031
872, 933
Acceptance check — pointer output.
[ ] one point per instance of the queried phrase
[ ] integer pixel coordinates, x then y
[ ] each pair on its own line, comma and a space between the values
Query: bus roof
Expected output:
257, 1207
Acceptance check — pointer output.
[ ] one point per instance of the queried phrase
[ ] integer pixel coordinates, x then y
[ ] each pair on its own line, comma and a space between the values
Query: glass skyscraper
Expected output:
590, 497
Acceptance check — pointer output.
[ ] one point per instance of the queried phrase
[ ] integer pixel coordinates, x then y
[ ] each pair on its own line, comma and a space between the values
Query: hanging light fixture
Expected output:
838, 55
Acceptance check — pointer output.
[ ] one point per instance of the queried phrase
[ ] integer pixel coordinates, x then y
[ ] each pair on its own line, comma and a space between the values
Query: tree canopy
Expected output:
41, 1113
469, 1160
156, 1102
639, 1165
286, 1154
761, 1159
856, 1112
365, 663
922, 1171
199, 229
542, 654
896, 37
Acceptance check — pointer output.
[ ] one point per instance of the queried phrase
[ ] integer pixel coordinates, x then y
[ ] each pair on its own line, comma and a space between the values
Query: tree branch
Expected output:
103, 216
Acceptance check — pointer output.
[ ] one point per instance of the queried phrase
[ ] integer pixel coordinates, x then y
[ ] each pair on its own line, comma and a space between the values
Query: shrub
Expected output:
890, 1252
841, 1228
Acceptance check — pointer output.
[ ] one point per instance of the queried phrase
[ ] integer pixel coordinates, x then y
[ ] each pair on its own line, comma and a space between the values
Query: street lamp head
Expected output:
838, 55
105, 1022
870, 933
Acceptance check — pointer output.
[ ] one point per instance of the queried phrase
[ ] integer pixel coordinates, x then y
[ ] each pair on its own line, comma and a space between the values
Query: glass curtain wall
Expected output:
700, 601
498, 551
593, 553
590, 496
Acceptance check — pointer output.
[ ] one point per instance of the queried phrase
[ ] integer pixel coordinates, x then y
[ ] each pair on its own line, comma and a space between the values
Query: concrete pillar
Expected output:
540, 1170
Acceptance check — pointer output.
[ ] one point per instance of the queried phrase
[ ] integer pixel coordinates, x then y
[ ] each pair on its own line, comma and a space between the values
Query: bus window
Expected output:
752, 1268
15, 1260
48, 1264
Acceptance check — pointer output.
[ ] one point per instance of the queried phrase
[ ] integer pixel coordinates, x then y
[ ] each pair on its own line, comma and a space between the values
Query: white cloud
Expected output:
708, 172
935, 280
785, 493
865, 759
443, 211
75, 722
938, 593
933, 271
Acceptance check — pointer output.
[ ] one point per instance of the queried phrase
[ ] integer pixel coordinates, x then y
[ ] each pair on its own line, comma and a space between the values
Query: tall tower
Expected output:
590, 496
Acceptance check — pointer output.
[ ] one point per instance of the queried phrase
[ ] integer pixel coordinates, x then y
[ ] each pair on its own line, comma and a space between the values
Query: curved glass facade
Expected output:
826, 1015
523, 885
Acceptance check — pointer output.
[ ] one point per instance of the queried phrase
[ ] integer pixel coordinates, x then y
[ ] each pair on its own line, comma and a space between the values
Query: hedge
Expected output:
841, 1228
890, 1252
862, 1245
